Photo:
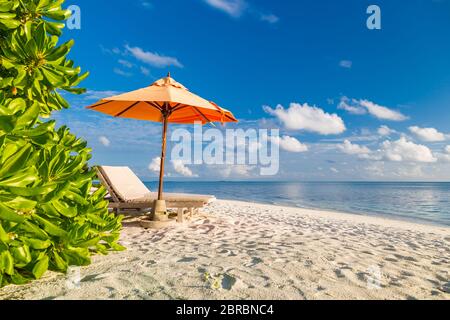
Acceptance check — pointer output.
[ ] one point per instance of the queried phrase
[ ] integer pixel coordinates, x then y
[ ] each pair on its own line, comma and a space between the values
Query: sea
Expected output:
425, 202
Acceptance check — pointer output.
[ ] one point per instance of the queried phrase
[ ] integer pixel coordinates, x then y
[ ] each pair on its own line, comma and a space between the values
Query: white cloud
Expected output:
145, 71
153, 58
178, 166
237, 8
351, 148
155, 165
444, 157
334, 170
346, 105
98, 95
365, 131
234, 8
394, 171
126, 63
147, 4
122, 73
116, 51
289, 144
414, 171
235, 171
104, 141
385, 131
376, 169
345, 64
270, 18
113, 51
181, 169
427, 134
381, 112
403, 150
305, 117
363, 106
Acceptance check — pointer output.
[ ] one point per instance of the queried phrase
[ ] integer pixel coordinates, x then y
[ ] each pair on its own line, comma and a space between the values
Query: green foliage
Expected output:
49, 219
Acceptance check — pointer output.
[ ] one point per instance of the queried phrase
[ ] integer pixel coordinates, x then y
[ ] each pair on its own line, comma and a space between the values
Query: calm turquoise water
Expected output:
425, 202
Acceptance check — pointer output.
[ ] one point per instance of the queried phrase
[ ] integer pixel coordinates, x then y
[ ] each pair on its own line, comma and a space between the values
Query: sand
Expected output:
238, 250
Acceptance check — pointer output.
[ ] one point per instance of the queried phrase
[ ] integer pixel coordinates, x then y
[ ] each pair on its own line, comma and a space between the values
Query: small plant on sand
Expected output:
49, 218
219, 281
213, 281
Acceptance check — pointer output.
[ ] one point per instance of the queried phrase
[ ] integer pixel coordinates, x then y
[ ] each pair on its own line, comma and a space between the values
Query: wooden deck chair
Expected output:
127, 192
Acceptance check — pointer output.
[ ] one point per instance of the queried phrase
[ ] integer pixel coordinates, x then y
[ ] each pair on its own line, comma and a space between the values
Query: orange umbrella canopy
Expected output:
165, 101
165, 97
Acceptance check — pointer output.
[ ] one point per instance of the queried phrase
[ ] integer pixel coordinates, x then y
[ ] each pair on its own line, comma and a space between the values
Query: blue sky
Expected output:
337, 81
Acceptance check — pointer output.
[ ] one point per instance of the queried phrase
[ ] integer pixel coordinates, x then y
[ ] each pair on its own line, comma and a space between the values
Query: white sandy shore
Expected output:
252, 251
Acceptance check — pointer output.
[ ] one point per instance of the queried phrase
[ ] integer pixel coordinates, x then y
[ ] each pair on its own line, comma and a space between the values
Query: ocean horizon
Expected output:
423, 202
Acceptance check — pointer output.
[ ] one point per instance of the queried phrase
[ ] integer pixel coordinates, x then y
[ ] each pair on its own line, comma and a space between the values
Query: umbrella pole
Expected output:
163, 158
159, 206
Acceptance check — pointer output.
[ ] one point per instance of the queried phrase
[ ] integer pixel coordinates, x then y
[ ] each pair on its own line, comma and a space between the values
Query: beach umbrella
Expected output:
165, 101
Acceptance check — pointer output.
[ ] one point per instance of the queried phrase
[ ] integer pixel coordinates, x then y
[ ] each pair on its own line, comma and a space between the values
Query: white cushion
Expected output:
125, 183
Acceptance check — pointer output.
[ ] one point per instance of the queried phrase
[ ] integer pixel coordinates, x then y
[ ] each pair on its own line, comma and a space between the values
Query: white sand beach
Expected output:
239, 250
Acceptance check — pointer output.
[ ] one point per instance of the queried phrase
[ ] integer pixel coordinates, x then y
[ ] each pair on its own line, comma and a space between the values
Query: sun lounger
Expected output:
127, 192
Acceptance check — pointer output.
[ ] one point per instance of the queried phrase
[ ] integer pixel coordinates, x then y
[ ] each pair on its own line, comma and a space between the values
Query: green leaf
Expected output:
37, 244
58, 14
7, 6
29, 116
10, 23
64, 209
7, 15
53, 27
59, 263
40, 267
60, 52
10, 215
20, 203
7, 124
43, 3
7, 262
96, 220
63, 102
15, 162
77, 256
20, 80
76, 198
51, 228
21, 255
17, 104
2, 141
88, 243
80, 78
3, 235
75, 90
40, 37
34, 230
21, 179
55, 78
27, 29
68, 71
34, 191
17, 278
41, 129
117, 247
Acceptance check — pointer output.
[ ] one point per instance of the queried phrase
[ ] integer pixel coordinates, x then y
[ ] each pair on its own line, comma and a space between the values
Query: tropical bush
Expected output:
49, 218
